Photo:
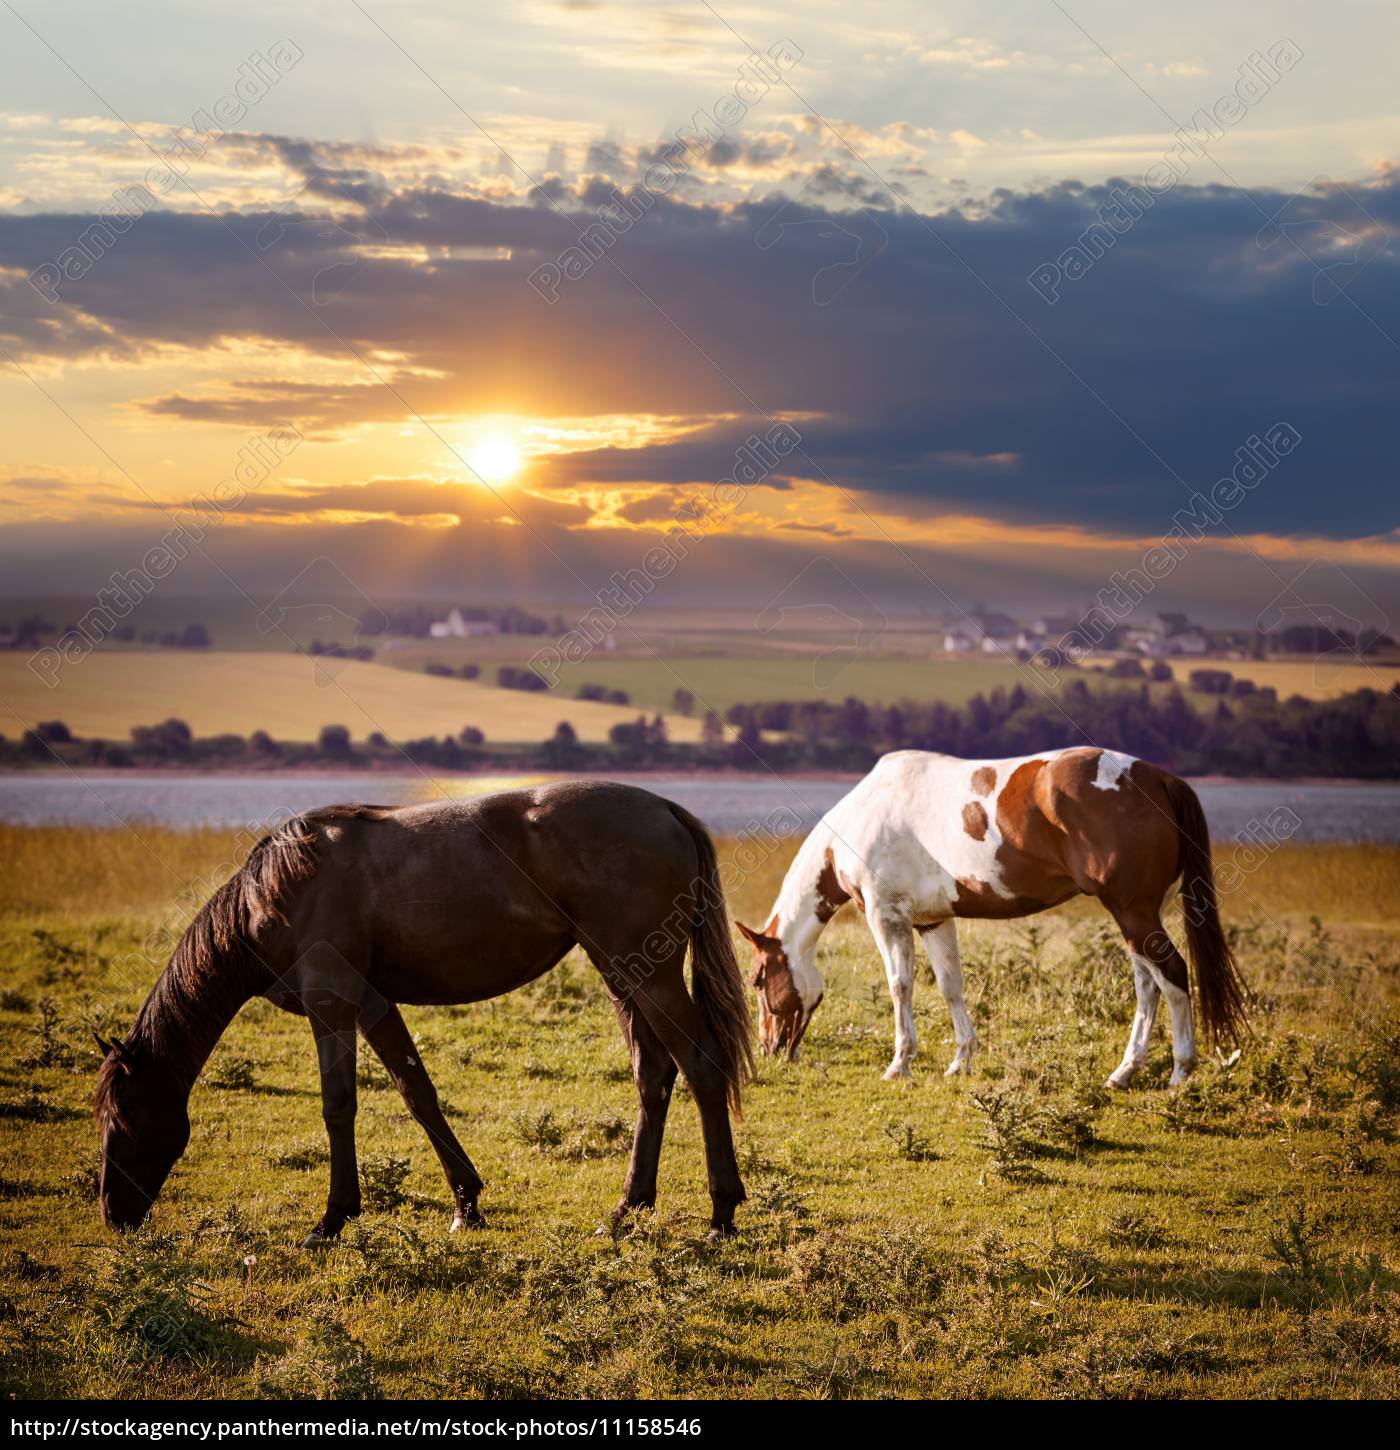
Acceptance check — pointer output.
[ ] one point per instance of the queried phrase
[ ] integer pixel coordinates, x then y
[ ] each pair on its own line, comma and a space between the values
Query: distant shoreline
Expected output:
724, 772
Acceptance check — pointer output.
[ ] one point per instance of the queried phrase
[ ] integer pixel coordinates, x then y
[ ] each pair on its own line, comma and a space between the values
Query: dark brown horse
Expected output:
346, 912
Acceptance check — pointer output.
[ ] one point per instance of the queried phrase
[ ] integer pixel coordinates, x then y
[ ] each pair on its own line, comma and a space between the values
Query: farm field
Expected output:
1016, 1233
720, 680
1313, 679
291, 696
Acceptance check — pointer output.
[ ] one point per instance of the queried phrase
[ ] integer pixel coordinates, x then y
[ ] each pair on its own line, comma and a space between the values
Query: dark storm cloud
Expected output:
936, 377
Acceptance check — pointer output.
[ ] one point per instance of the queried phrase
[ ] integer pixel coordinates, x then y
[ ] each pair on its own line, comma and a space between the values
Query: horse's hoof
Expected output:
1180, 1072
472, 1219
1121, 1078
315, 1240
895, 1071
720, 1233
956, 1068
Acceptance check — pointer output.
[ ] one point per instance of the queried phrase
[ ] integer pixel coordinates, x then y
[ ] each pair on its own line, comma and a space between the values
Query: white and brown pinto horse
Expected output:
925, 839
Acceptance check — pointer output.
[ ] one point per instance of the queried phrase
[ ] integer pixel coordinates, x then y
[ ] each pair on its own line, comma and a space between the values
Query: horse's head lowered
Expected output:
782, 1013
141, 1109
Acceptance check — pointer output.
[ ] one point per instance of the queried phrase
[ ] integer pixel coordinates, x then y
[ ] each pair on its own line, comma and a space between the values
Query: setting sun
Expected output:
495, 460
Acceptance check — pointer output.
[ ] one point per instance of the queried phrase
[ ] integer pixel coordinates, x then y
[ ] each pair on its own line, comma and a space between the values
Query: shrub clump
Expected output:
150, 1302
327, 1362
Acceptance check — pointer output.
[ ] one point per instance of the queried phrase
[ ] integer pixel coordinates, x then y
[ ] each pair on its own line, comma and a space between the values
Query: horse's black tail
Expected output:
1219, 986
715, 977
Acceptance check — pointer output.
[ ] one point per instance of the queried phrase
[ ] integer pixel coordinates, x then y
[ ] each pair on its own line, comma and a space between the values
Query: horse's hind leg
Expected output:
654, 1070
661, 998
1135, 1053
386, 1032
1154, 951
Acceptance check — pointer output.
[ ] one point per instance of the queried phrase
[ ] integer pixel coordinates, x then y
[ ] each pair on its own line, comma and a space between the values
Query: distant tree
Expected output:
562, 750
618, 697
472, 737
510, 678
54, 731
1128, 668
1211, 682
262, 743
32, 743
333, 740
711, 731
434, 668
194, 636
683, 702
470, 672
1161, 671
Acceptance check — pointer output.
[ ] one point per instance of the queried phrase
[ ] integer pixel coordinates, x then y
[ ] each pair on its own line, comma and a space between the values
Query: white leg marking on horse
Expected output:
1135, 1053
1183, 1027
895, 938
941, 943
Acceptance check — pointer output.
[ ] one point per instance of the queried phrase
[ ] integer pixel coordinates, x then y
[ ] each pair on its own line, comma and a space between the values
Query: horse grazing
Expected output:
346, 912
925, 839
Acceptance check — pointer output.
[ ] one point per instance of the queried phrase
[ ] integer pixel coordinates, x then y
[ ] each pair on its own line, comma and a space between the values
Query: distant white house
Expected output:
1188, 642
455, 627
958, 642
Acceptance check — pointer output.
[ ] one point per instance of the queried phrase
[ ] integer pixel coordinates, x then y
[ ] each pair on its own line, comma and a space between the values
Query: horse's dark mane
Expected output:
215, 966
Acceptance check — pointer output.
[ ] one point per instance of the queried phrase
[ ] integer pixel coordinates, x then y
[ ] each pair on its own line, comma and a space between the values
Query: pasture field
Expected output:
1017, 1233
291, 696
1323, 679
738, 676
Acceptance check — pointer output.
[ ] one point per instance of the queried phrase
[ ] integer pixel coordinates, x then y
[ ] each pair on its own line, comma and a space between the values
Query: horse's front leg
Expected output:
333, 1025
941, 943
895, 938
385, 1030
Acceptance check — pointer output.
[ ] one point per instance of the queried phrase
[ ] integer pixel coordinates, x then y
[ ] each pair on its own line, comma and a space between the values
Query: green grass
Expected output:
1016, 1233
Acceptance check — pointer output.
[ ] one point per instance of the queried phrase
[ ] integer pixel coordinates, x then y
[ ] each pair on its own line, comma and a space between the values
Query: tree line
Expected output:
1356, 735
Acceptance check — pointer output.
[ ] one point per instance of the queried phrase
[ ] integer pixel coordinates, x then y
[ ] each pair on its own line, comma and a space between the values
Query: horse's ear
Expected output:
103, 1046
125, 1055
749, 934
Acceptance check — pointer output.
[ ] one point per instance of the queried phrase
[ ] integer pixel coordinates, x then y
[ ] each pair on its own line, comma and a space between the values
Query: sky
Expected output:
947, 303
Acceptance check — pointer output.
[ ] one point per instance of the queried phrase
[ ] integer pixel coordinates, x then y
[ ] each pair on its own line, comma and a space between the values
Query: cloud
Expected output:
933, 376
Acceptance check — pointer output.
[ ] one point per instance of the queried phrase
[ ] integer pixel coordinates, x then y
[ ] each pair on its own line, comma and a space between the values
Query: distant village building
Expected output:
958, 642
1054, 626
1169, 622
1189, 642
456, 627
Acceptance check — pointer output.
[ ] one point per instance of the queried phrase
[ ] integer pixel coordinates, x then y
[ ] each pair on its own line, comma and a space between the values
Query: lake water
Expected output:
728, 804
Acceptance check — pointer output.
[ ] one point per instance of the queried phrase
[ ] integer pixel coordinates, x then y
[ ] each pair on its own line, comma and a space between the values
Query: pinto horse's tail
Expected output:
716, 980
1219, 986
